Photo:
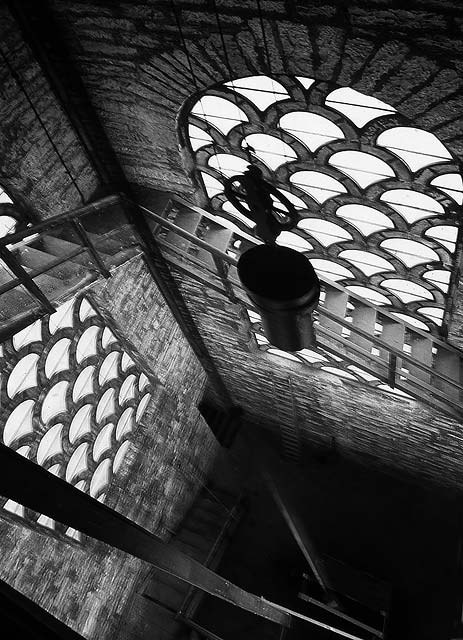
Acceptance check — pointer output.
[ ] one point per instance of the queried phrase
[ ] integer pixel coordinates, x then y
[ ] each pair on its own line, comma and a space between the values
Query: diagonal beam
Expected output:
32, 486
301, 536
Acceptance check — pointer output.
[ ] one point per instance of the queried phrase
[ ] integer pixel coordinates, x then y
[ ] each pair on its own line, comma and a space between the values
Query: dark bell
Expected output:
283, 285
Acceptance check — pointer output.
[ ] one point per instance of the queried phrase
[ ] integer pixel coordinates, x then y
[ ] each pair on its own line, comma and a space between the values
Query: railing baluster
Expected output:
223, 275
83, 235
392, 370
22, 275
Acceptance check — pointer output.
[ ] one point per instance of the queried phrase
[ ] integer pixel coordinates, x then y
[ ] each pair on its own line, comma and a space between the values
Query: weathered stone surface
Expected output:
87, 586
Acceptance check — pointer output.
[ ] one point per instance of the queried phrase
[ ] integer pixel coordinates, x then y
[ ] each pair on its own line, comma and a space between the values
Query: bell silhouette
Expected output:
284, 287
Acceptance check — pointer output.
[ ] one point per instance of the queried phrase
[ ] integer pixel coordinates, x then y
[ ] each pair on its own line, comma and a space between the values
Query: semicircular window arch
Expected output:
363, 177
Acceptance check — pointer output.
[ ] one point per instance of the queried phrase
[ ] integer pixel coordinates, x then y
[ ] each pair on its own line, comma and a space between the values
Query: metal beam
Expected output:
301, 536
34, 487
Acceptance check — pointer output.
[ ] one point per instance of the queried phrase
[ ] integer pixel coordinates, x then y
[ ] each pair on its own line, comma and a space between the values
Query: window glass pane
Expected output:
58, 357
120, 455
369, 294
417, 148
439, 278
102, 441
327, 233
359, 108
221, 113
228, 165
364, 168
306, 82
331, 270
406, 290
293, 241
270, 149
142, 407
311, 129
54, 402
319, 186
451, 184
262, 91
368, 263
81, 423
109, 368
412, 205
365, 219
409, 252
100, 478
23, 375
51, 444
77, 462
445, 234
19, 422
83, 384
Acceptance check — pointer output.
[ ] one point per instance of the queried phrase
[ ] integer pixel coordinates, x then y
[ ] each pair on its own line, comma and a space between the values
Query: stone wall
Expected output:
88, 585
31, 169
138, 74
399, 436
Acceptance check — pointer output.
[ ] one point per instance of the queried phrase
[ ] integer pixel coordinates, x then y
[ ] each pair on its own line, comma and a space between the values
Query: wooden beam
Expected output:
301, 536
32, 486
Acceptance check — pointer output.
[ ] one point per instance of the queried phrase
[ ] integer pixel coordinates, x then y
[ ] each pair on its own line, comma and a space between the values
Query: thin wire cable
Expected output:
20, 84
192, 73
269, 65
231, 74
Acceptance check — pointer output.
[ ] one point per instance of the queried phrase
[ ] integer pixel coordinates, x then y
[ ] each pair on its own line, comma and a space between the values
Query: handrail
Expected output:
326, 281
60, 219
221, 257
375, 340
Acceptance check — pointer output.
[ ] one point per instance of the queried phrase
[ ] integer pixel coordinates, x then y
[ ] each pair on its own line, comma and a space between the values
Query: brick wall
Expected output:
138, 75
30, 169
87, 586
403, 437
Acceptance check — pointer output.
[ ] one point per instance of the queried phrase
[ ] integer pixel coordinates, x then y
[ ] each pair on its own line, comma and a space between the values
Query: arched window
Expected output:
9, 216
71, 399
376, 195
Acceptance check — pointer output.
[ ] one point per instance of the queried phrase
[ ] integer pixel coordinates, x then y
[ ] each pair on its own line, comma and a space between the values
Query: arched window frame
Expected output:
310, 95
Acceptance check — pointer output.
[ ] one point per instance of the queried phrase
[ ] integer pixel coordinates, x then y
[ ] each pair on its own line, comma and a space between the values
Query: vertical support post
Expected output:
392, 370
83, 235
223, 275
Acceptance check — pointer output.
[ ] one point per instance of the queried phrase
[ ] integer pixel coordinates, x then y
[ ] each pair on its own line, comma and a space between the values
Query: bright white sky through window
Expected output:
360, 214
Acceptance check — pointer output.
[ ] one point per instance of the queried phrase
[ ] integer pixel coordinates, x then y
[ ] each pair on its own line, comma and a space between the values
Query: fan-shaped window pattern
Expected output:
354, 189
410, 252
319, 186
364, 168
325, 232
66, 409
269, 149
262, 91
311, 129
368, 263
412, 205
228, 165
417, 148
23, 375
451, 184
219, 112
198, 137
357, 107
10, 217
365, 219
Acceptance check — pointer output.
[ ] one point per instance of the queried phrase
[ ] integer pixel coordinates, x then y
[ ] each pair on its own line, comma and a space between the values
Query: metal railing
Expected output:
388, 362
